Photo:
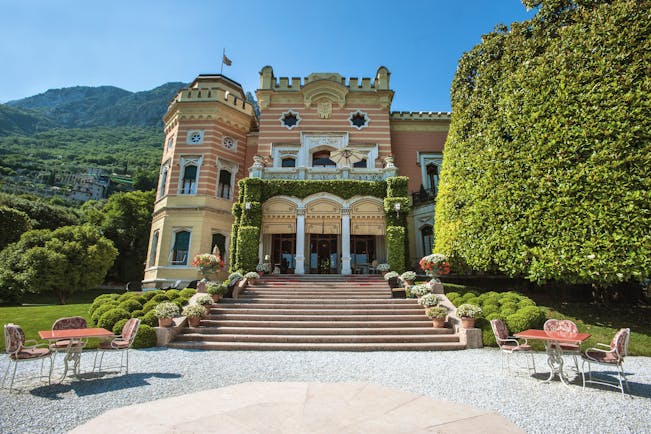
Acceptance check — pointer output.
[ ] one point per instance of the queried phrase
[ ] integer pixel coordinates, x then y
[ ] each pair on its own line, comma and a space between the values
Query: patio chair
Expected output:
120, 344
69, 346
19, 351
608, 355
373, 268
510, 345
565, 326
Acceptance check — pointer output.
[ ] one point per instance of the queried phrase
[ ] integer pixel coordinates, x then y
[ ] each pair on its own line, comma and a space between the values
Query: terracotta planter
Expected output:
216, 297
438, 323
194, 322
164, 322
468, 323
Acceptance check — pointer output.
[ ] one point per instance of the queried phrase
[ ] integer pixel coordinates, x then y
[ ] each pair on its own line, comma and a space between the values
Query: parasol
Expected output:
347, 156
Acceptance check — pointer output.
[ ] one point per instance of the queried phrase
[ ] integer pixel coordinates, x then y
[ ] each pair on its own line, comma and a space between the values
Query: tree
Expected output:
547, 169
125, 219
43, 215
14, 223
64, 261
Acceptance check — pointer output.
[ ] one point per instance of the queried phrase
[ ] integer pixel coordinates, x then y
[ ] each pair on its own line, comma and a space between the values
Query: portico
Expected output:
313, 235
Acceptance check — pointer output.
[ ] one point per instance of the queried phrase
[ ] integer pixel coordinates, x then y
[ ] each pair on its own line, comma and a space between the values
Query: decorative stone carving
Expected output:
324, 109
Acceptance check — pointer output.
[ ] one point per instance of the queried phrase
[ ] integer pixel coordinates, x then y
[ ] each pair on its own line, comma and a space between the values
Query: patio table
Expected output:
552, 345
73, 352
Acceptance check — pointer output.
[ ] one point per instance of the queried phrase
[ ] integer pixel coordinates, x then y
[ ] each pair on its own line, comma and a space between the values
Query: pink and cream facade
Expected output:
323, 127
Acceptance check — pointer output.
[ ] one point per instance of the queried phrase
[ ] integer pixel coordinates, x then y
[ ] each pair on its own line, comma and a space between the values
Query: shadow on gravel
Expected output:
641, 390
97, 385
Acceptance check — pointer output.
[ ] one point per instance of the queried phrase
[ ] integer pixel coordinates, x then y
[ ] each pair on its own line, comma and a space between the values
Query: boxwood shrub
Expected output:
146, 337
111, 316
102, 309
117, 328
149, 319
518, 311
187, 292
130, 305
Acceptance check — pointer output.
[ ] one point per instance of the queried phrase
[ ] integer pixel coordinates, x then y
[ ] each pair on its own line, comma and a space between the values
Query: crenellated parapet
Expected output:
328, 87
294, 84
420, 116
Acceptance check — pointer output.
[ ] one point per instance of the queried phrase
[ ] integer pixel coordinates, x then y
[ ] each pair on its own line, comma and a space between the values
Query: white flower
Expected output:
591, 256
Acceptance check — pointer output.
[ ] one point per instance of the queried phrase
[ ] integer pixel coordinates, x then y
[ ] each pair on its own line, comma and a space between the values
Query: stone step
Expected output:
318, 330
388, 310
313, 346
365, 316
248, 295
424, 322
304, 339
319, 302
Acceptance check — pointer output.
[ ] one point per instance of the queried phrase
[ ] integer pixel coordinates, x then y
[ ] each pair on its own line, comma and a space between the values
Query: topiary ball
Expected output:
159, 298
187, 292
102, 309
146, 337
149, 319
172, 293
130, 305
108, 319
117, 328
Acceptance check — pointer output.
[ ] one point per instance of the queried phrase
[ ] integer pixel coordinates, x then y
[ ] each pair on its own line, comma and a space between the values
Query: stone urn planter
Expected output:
194, 322
438, 323
437, 314
468, 314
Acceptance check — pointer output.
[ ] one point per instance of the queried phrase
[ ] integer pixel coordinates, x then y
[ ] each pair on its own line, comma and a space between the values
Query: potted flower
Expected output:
435, 265
392, 278
261, 269
408, 277
194, 313
468, 314
216, 290
204, 300
429, 300
251, 277
383, 268
437, 314
165, 311
207, 263
419, 290
233, 278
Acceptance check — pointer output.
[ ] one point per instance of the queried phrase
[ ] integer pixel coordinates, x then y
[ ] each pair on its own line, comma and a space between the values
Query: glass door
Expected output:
323, 254
283, 253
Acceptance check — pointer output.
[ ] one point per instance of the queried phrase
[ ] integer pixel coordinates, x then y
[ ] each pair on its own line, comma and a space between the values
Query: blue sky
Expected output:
138, 45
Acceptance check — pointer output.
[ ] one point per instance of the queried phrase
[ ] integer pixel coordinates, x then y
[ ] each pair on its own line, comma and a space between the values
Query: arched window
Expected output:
189, 185
322, 159
288, 162
224, 186
180, 248
154, 248
427, 238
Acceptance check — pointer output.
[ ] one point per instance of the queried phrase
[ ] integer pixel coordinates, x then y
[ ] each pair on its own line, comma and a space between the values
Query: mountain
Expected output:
84, 107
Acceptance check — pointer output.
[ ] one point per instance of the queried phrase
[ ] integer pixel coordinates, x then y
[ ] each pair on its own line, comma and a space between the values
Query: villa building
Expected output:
332, 180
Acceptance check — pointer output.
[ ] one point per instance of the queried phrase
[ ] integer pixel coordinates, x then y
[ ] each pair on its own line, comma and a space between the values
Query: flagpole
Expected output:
221, 70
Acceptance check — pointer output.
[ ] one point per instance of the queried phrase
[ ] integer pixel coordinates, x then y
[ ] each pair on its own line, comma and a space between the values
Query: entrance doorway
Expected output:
362, 253
283, 253
323, 254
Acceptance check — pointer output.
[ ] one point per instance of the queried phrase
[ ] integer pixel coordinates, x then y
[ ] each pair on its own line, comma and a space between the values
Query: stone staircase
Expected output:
323, 312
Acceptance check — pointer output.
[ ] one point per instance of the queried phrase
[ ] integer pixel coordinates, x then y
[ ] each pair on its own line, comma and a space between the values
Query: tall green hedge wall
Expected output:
547, 168
246, 257
395, 246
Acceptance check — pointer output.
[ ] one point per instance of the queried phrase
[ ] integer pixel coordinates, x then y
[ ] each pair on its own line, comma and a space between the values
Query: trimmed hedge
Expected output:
111, 316
248, 239
146, 337
395, 240
546, 167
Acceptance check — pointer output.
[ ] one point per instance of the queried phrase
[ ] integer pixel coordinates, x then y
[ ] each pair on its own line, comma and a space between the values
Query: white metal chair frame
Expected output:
511, 345
608, 355
567, 326
21, 350
71, 347
121, 343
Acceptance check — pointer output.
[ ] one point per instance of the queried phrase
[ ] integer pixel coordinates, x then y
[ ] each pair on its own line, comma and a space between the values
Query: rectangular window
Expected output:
154, 248
189, 185
180, 248
224, 187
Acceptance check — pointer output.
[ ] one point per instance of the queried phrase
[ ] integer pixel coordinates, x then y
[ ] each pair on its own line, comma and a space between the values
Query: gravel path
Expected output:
470, 377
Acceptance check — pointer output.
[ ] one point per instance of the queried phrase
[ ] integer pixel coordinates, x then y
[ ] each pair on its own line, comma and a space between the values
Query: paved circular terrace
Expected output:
299, 408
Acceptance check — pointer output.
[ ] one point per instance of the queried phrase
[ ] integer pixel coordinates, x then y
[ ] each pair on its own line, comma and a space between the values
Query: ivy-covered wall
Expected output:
254, 191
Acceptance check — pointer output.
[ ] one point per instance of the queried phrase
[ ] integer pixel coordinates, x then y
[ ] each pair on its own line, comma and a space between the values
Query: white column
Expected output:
345, 241
300, 241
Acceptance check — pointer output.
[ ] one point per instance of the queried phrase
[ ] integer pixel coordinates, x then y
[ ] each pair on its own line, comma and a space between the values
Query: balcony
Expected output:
326, 173
424, 196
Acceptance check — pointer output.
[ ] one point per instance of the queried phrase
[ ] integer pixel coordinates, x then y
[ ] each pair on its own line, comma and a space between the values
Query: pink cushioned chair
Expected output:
510, 345
73, 322
120, 344
565, 326
608, 355
18, 351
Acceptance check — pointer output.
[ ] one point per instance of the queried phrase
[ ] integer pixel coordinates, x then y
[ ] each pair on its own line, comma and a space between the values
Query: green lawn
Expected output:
39, 313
